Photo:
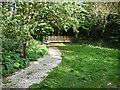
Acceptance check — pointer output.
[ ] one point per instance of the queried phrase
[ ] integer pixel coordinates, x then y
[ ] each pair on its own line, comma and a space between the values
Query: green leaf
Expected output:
16, 65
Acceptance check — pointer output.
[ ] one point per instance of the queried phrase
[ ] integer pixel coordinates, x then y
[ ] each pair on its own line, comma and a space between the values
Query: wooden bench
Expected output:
59, 39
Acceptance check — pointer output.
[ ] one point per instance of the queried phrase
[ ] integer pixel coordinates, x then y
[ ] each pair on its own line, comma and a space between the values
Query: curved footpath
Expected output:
36, 71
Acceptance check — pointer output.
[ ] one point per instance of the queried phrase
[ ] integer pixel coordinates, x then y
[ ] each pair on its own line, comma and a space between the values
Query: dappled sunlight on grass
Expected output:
102, 47
85, 67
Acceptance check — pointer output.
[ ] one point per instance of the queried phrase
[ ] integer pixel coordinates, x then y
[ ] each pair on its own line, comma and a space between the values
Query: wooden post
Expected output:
24, 49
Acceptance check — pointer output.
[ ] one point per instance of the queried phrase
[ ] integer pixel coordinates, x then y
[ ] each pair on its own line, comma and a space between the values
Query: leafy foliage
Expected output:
13, 61
41, 31
16, 65
10, 44
104, 20
38, 19
33, 53
6, 81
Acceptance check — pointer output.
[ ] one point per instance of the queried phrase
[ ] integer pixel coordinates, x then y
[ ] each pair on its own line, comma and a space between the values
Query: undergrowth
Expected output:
13, 60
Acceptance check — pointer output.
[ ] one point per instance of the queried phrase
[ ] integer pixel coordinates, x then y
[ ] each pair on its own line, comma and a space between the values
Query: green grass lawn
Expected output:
83, 66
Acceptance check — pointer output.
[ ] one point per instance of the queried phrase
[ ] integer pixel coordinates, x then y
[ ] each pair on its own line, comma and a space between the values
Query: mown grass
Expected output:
84, 66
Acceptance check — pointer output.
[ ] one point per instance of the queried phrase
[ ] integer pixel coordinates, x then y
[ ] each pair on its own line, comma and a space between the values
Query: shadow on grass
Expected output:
84, 67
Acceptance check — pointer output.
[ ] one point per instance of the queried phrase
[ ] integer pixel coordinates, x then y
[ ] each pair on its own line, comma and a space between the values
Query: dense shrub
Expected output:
33, 42
33, 53
10, 44
112, 30
41, 30
13, 60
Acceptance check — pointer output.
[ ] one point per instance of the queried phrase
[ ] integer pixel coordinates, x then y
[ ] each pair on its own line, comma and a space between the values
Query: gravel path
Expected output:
36, 71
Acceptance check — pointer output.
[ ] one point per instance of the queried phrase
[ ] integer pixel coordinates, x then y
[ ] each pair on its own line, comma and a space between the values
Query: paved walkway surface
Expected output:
36, 71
